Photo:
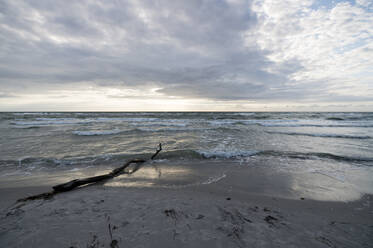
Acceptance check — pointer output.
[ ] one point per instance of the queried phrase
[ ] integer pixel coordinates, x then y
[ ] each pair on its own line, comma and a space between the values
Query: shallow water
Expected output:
335, 145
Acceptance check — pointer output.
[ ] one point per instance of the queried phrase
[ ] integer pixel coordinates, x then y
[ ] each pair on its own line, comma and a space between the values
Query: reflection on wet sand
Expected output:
323, 188
258, 177
150, 176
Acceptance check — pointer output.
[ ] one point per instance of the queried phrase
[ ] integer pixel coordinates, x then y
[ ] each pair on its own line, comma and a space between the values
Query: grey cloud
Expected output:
6, 95
186, 48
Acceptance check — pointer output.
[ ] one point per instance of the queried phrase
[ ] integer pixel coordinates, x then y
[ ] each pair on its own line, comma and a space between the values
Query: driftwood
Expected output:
90, 180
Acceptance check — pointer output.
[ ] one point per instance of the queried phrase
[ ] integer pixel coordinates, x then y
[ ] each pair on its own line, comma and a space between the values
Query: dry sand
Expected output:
218, 212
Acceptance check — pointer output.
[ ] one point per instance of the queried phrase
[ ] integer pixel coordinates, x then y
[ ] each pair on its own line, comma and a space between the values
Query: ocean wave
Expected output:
32, 163
108, 158
223, 122
269, 122
79, 121
183, 129
171, 124
334, 119
127, 119
262, 120
227, 153
146, 129
239, 154
50, 121
97, 132
350, 116
325, 135
291, 123
166, 129
367, 125
314, 155
36, 113
27, 127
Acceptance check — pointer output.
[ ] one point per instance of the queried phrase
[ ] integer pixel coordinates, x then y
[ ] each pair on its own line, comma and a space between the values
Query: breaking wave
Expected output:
335, 119
315, 155
96, 133
227, 154
316, 125
343, 136
79, 121
189, 154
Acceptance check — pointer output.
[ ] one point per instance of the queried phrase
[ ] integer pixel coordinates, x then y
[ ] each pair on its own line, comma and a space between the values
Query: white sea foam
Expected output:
127, 119
222, 122
306, 123
51, 121
215, 179
291, 123
248, 122
29, 113
227, 153
326, 135
245, 113
165, 129
171, 124
72, 121
313, 125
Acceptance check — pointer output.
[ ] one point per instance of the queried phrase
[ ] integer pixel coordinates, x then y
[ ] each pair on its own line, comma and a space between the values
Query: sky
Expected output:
174, 55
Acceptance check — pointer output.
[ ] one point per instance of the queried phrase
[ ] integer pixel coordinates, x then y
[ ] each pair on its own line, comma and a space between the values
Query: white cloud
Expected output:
333, 45
364, 3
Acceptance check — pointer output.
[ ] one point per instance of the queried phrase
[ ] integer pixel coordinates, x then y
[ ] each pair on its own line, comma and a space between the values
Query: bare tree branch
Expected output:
90, 180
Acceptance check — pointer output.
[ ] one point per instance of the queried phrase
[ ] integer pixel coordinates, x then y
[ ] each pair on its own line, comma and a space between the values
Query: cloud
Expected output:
221, 50
332, 44
6, 95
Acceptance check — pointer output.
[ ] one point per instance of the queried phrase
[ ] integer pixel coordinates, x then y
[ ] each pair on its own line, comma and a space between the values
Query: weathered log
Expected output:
120, 170
90, 180
79, 182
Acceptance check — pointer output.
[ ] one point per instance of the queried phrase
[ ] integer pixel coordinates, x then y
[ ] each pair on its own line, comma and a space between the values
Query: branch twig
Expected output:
158, 150
90, 180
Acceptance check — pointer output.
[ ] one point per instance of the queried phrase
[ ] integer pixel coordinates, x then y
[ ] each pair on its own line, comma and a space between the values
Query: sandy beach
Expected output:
179, 206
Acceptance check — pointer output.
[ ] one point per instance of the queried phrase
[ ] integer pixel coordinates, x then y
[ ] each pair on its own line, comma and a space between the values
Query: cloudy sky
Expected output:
127, 55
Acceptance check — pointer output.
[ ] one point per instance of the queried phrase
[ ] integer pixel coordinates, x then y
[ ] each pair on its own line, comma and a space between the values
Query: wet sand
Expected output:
191, 206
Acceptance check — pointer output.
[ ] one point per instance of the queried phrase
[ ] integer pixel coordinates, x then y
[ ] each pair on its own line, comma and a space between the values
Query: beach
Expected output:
235, 206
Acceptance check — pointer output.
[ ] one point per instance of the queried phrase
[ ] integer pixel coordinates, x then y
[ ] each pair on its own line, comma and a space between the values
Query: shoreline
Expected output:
257, 177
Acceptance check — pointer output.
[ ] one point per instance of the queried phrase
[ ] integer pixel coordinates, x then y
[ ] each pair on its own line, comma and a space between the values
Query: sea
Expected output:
334, 144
